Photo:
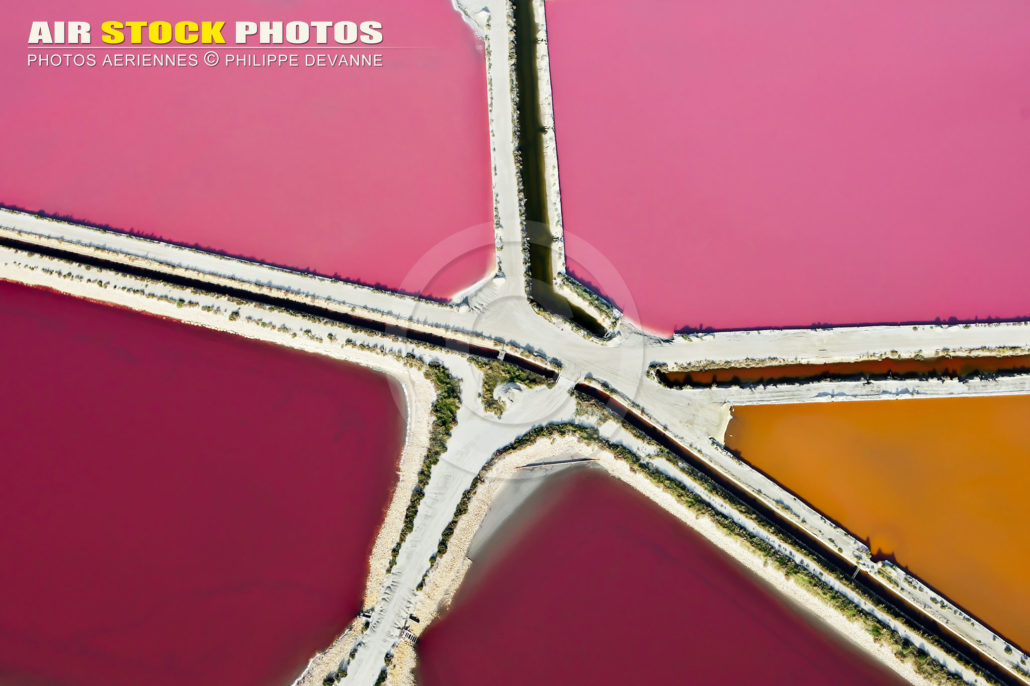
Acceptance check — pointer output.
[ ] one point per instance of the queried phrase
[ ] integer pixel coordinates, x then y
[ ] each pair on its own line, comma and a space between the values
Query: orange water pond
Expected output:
939, 484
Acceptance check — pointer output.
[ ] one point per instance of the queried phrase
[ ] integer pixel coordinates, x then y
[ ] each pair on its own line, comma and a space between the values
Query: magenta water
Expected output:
601, 586
179, 506
342, 170
749, 164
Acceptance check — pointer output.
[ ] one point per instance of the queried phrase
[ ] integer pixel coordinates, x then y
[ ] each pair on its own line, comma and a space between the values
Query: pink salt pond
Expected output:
179, 506
355, 171
600, 586
749, 164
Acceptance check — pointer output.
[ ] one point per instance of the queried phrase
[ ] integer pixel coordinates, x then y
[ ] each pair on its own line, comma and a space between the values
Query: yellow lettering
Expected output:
186, 32
160, 32
135, 31
112, 32
211, 32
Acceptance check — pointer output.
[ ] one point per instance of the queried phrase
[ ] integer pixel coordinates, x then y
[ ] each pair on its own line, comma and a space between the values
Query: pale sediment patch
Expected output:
447, 575
449, 571
472, 16
512, 501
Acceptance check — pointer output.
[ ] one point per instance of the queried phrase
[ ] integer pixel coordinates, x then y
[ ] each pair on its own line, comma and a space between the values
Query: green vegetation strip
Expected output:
589, 295
497, 373
445, 414
459, 512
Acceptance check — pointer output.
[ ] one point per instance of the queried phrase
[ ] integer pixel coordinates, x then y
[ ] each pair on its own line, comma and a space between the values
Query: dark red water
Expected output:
179, 506
317, 168
743, 163
604, 587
